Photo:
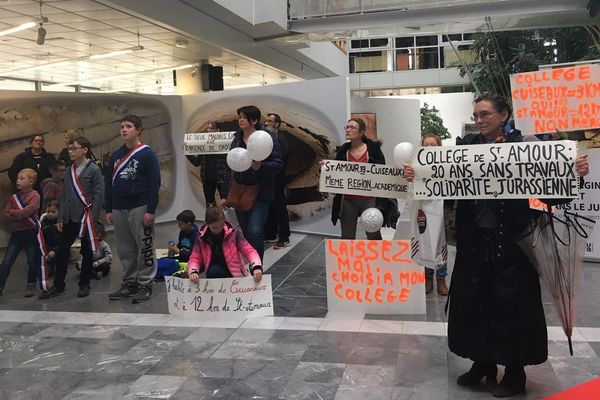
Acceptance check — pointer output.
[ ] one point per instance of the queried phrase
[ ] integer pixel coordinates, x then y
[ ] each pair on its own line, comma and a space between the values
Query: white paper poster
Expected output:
363, 179
220, 298
207, 143
373, 276
497, 171
588, 205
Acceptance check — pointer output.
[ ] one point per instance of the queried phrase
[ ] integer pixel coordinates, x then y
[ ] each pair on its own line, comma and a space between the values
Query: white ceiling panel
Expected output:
75, 24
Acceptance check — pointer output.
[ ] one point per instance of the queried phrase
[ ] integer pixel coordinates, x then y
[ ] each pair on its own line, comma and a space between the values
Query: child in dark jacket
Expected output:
51, 234
179, 253
188, 231
219, 249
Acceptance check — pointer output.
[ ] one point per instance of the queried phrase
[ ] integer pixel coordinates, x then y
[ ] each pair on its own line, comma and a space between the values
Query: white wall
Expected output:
398, 120
454, 109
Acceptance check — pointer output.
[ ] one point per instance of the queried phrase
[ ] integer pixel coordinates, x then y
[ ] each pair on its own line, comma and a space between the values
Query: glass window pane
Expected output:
379, 42
368, 61
427, 40
467, 36
454, 37
10, 84
359, 44
427, 58
405, 59
405, 42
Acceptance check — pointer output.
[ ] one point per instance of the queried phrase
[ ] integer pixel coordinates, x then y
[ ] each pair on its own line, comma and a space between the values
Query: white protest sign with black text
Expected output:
220, 298
497, 171
588, 205
207, 143
373, 276
363, 179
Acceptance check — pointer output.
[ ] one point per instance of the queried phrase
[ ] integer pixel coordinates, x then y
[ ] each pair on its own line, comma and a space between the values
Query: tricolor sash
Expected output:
35, 224
120, 164
87, 219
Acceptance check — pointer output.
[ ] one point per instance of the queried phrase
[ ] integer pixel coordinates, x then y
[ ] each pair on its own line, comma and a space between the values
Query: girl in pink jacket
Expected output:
219, 248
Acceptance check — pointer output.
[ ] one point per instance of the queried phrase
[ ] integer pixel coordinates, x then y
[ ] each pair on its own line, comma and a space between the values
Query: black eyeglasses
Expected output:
73, 148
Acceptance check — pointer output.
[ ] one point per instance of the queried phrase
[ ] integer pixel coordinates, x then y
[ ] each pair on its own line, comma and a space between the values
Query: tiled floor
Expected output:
70, 348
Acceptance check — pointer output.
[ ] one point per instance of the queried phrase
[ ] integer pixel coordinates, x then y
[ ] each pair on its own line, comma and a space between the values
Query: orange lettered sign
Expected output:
563, 99
373, 276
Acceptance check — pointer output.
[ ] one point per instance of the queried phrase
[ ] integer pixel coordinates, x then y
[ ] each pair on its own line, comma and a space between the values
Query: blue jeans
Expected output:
253, 225
27, 241
443, 271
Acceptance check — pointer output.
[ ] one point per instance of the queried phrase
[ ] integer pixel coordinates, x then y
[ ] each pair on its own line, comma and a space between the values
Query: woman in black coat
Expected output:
35, 157
496, 314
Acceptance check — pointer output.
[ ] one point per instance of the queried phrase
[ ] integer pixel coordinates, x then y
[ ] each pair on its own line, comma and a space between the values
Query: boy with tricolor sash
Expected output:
132, 184
21, 212
80, 206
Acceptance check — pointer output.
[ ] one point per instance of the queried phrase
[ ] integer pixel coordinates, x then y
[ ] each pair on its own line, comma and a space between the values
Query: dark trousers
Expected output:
278, 222
209, 186
104, 268
253, 224
69, 234
21, 240
218, 271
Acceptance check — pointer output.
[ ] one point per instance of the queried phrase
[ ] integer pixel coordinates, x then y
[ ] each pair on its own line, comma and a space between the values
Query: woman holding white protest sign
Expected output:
495, 315
347, 208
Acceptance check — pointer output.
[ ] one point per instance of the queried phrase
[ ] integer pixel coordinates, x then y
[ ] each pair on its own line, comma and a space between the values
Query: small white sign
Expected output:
207, 143
220, 298
373, 276
497, 171
363, 179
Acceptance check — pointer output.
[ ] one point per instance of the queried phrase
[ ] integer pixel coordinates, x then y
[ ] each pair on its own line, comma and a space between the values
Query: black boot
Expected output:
512, 383
477, 372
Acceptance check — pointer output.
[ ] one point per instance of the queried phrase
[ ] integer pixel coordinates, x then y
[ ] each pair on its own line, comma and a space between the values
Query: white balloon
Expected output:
403, 154
371, 219
260, 145
238, 159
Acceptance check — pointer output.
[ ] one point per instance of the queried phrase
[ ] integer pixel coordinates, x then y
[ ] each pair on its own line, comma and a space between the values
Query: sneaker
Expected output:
274, 240
281, 244
50, 293
143, 294
98, 275
84, 291
124, 291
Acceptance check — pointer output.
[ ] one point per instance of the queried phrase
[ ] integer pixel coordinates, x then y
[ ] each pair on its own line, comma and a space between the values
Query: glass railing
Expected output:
306, 9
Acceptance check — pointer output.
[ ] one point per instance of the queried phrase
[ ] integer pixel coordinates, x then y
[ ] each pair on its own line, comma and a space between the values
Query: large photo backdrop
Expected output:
313, 114
24, 115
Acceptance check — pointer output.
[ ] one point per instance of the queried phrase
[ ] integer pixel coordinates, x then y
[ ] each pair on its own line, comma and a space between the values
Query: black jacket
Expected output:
388, 207
496, 311
41, 164
263, 177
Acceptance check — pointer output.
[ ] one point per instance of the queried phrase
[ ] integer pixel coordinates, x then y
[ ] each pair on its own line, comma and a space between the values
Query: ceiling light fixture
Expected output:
19, 28
116, 53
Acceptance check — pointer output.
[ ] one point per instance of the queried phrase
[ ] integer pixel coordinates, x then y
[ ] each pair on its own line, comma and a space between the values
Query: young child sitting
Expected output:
188, 231
103, 257
179, 253
219, 248
21, 212
51, 234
